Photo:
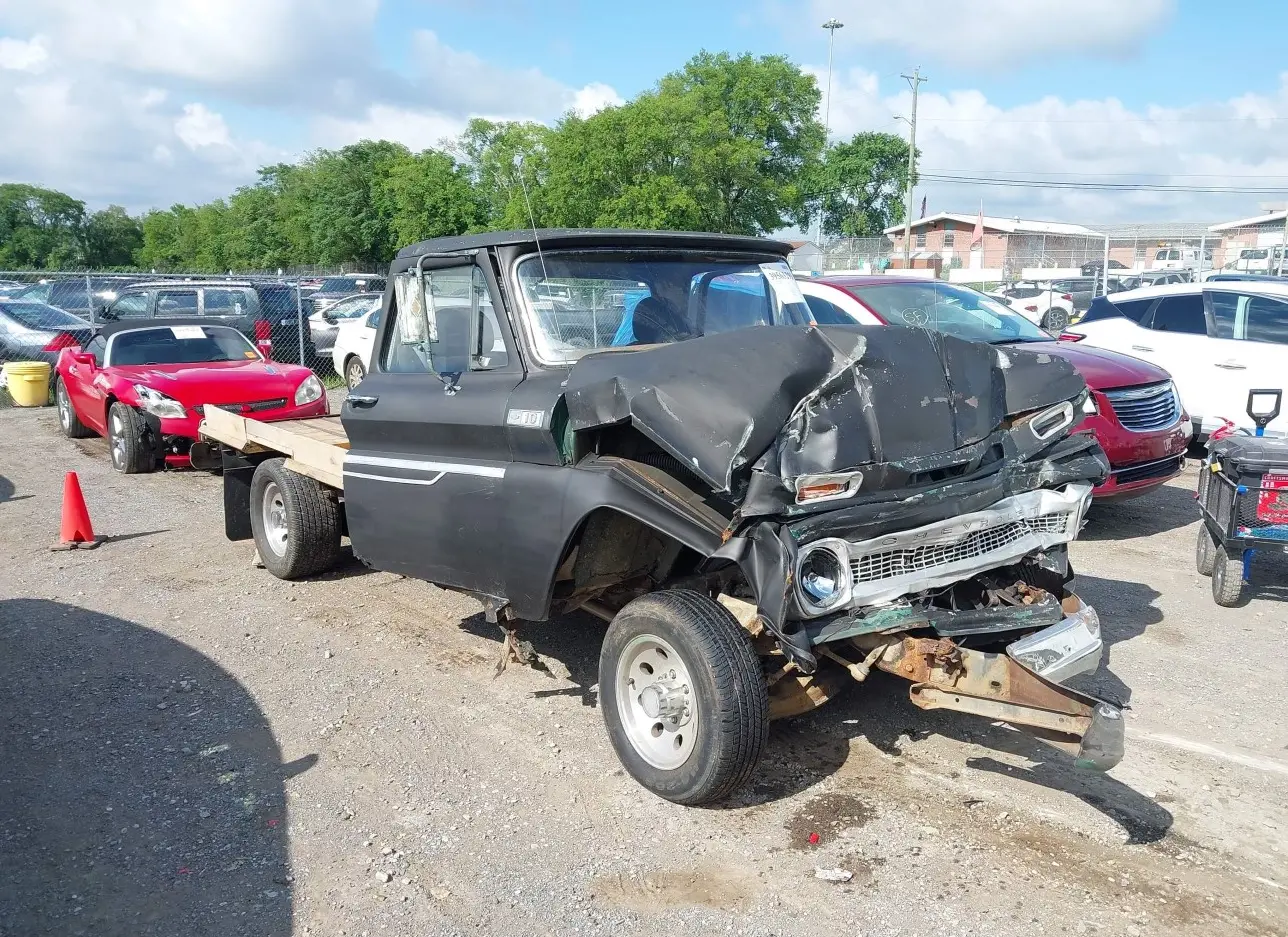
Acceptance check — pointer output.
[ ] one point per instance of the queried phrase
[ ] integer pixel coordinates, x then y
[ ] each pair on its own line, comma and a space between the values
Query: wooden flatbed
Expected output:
314, 447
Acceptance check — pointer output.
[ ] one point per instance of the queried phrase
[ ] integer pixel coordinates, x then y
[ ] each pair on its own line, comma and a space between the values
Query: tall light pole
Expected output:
914, 81
831, 26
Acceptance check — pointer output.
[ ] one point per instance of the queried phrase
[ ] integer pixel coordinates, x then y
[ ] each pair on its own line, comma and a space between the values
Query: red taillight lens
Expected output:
263, 331
1030, 308
62, 340
1070, 337
1067, 298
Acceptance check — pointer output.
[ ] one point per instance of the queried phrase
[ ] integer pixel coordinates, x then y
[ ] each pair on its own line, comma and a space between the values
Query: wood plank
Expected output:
311, 447
315, 471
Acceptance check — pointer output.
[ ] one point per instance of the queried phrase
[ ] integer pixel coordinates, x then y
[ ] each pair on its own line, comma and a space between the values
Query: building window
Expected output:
948, 239
921, 238
1140, 251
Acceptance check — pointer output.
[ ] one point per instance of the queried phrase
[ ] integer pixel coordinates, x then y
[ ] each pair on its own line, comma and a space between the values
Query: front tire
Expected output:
128, 438
354, 372
1205, 551
1227, 578
72, 426
295, 521
684, 696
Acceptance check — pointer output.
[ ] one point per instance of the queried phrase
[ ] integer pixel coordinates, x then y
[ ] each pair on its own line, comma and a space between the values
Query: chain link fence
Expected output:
285, 316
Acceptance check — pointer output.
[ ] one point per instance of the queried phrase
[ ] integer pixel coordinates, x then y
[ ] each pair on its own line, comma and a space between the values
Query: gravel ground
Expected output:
188, 745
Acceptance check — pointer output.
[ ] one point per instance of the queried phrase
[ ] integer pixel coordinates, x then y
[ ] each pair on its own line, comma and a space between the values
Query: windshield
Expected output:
181, 344
351, 285
953, 310
577, 302
42, 316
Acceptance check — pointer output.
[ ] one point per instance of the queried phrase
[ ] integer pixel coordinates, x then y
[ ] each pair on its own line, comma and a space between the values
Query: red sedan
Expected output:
143, 384
1134, 410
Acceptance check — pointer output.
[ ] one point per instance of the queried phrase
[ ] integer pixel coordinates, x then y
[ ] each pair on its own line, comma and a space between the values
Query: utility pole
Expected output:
1283, 244
831, 26
914, 81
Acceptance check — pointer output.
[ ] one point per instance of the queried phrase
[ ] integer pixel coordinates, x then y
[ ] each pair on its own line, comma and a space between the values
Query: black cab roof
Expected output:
553, 238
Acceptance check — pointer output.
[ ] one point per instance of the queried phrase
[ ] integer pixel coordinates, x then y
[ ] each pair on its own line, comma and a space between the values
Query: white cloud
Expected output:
19, 56
415, 129
594, 98
199, 126
993, 33
962, 133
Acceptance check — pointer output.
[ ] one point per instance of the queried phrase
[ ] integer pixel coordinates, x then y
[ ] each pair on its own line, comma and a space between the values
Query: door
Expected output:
87, 387
365, 339
226, 306
1249, 349
428, 446
1175, 338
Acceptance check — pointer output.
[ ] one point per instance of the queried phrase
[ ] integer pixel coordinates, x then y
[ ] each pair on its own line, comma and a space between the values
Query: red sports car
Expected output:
1134, 410
143, 384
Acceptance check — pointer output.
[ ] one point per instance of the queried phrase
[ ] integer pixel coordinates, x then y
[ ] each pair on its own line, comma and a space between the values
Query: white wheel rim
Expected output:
64, 407
274, 515
355, 373
117, 432
651, 676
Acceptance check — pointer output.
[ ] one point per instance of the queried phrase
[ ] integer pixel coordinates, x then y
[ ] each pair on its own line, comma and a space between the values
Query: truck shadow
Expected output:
1167, 507
7, 491
1126, 609
141, 788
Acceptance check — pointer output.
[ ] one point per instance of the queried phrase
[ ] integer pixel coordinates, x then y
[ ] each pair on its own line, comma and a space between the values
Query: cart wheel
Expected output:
1227, 578
684, 696
295, 521
1205, 551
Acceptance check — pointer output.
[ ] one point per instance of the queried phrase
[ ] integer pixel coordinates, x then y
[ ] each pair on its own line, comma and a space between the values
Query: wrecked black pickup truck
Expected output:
650, 427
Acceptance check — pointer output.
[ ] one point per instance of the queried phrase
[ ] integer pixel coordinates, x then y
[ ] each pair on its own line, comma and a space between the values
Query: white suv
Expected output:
1218, 339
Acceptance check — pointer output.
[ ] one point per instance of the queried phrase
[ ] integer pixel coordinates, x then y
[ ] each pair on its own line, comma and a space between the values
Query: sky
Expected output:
145, 103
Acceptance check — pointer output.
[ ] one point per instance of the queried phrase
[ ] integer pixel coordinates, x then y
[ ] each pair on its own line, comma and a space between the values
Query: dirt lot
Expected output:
188, 745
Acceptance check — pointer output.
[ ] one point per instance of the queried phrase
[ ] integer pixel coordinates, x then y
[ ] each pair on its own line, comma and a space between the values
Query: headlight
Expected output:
310, 389
158, 404
823, 575
1089, 406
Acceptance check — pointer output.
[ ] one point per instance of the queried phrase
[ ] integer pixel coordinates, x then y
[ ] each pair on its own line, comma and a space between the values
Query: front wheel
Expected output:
1227, 578
354, 372
1205, 551
295, 521
130, 440
683, 696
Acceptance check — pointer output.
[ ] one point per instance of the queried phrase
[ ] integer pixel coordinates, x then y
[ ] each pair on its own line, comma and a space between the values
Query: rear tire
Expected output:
129, 440
72, 426
687, 650
1227, 578
354, 372
1056, 319
295, 521
1205, 551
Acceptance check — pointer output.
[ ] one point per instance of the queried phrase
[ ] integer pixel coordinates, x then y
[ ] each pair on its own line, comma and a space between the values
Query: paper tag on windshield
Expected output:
187, 331
784, 284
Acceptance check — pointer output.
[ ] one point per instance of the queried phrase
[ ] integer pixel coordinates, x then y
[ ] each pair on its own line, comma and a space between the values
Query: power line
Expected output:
1100, 186
1097, 120
1161, 175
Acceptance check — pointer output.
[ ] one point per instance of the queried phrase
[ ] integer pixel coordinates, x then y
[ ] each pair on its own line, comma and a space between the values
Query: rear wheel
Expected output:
72, 426
1227, 578
295, 521
683, 696
129, 439
1056, 319
354, 372
1205, 551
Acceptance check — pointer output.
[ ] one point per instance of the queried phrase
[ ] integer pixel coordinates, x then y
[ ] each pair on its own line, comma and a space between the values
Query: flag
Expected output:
923, 206
977, 239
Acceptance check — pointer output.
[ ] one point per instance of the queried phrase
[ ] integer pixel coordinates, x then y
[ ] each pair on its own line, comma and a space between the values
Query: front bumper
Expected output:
1064, 650
188, 427
1139, 461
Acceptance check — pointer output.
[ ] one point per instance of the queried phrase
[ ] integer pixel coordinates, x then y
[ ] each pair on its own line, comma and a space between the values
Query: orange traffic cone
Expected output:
77, 532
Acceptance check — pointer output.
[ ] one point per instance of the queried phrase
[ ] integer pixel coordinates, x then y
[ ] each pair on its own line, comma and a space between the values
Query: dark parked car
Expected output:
1093, 267
71, 294
37, 332
333, 289
1081, 290
268, 313
1151, 278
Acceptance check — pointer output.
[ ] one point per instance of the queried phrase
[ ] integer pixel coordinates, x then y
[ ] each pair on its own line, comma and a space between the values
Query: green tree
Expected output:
500, 158
40, 228
430, 196
860, 186
111, 238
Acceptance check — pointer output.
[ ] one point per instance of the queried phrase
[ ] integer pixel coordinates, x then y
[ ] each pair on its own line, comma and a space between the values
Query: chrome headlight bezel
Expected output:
840, 553
158, 404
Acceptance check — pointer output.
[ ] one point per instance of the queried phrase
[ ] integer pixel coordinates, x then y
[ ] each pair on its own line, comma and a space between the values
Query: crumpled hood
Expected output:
823, 399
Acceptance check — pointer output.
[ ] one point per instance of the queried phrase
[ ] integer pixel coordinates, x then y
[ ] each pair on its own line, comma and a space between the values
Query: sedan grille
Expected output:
1142, 409
976, 545
256, 406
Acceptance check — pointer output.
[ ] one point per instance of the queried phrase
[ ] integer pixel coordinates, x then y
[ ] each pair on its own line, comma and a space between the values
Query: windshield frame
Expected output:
526, 316
108, 352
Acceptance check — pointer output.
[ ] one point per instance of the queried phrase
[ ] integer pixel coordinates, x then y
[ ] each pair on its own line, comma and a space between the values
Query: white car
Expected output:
1219, 339
354, 340
1039, 303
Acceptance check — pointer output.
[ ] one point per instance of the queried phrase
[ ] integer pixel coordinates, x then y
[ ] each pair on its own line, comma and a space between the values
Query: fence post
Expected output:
299, 316
89, 298
1104, 272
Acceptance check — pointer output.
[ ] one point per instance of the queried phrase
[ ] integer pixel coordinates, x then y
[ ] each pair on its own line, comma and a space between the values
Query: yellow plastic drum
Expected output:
28, 382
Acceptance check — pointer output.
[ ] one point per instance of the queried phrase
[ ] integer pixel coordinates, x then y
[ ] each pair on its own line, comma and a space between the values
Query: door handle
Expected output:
1231, 366
1141, 348
362, 400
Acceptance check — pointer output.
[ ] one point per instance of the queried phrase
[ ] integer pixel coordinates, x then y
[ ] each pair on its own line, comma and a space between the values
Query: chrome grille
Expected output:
1142, 409
256, 406
976, 545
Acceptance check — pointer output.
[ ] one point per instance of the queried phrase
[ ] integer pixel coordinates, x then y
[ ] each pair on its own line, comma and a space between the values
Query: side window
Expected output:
1267, 320
223, 302
96, 347
131, 306
826, 313
1180, 314
1135, 309
453, 294
177, 304
1226, 312
921, 238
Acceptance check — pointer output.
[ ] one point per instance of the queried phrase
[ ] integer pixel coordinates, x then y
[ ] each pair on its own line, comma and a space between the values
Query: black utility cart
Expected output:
1243, 497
